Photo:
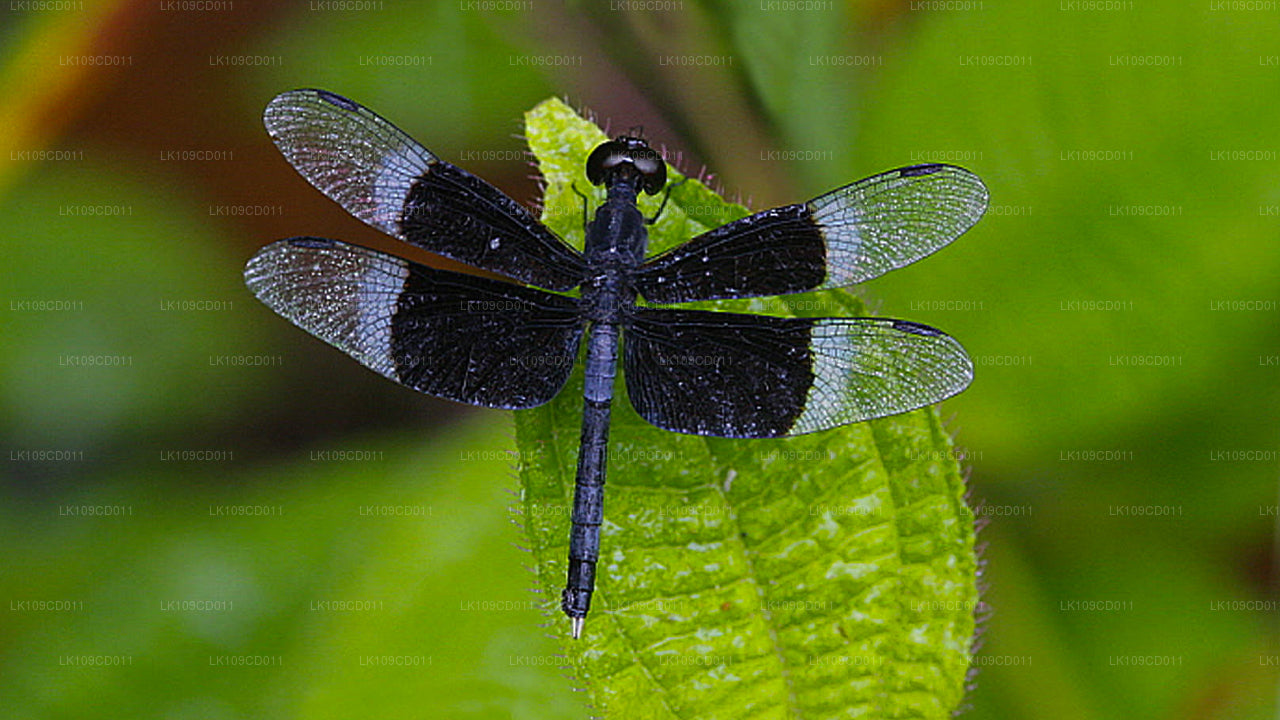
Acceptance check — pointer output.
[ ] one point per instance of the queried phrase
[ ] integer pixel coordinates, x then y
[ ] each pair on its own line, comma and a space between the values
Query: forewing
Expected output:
844, 237
755, 376
385, 178
460, 337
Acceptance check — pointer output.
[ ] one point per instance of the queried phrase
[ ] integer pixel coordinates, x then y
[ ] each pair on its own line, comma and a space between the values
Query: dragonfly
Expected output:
512, 344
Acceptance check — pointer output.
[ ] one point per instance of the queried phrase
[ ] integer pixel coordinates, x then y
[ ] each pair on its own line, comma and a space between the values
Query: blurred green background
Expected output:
208, 514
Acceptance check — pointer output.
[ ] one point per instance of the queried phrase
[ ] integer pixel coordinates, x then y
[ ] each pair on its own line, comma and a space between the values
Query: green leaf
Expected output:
829, 575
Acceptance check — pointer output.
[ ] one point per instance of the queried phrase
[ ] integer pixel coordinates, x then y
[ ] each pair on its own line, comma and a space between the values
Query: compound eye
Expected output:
653, 170
604, 157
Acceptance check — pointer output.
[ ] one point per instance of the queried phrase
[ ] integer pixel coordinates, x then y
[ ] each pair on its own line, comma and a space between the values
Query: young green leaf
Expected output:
827, 575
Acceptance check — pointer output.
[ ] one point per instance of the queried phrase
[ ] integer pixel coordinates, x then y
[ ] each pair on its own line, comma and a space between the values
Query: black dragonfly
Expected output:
504, 345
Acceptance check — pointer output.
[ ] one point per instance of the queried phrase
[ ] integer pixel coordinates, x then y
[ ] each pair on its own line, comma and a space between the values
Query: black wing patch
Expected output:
755, 376
385, 178
460, 337
849, 235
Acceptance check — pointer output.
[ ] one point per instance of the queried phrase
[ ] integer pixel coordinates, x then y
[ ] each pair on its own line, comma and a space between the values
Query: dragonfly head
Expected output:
627, 156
